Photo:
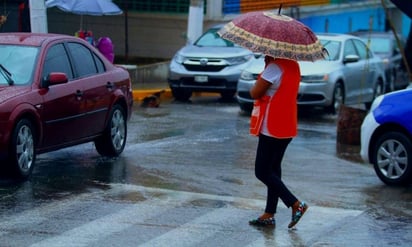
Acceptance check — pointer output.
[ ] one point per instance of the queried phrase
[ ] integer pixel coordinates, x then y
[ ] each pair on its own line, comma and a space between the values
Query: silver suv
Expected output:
211, 64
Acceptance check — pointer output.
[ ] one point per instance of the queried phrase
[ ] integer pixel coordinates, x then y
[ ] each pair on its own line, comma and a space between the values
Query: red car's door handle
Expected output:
109, 85
79, 93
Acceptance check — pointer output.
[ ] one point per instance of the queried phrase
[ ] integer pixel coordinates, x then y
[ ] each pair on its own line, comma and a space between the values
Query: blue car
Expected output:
386, 137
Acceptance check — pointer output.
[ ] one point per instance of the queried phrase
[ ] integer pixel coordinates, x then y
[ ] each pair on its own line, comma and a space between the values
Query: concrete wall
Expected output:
150, 36
147, 74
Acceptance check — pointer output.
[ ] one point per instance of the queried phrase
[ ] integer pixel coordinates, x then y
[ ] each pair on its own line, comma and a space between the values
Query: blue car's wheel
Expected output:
392, 158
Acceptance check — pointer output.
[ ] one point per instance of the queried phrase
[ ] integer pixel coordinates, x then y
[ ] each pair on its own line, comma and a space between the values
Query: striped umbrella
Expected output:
275, 35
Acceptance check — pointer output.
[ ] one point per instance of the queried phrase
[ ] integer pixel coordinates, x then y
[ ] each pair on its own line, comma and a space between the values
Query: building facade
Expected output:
157, 29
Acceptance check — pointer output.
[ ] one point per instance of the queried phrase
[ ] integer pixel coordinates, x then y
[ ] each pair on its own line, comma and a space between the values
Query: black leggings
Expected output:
268, 169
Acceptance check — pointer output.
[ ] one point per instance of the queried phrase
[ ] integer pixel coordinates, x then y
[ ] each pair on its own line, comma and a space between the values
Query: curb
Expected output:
139, 95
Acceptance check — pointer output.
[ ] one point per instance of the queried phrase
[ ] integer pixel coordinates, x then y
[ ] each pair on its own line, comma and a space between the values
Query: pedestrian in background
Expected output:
274, 121
284, 41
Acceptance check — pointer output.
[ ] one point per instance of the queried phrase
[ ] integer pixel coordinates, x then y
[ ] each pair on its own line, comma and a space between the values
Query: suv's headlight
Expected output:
247, 76
239, 60
179, 58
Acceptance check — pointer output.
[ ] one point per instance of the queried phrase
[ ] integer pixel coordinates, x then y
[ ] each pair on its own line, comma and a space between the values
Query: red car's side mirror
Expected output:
55, 78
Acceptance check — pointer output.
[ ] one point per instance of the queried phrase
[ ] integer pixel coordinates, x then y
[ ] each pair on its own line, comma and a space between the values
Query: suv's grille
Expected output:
206, 68
212, 82
205, 65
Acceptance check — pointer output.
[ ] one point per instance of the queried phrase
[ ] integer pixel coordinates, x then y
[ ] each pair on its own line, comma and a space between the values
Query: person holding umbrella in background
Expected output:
283, 41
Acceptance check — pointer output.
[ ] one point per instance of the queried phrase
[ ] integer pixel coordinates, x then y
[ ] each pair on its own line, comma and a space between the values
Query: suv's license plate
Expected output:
201, 78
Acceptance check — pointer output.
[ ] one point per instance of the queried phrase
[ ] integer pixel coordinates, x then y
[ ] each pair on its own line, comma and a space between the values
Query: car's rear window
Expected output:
211, 39
20, 61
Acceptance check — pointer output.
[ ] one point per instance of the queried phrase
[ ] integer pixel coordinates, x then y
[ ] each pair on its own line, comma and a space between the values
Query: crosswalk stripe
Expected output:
195, 231
104, 226
41, 213
316, 220
228, 219
187, 195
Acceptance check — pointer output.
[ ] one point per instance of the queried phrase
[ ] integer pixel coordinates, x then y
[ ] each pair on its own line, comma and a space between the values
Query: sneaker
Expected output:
266, 222
297, 213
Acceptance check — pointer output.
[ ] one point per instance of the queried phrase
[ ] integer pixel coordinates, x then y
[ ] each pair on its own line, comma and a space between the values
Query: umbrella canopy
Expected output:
275, 35
86, 7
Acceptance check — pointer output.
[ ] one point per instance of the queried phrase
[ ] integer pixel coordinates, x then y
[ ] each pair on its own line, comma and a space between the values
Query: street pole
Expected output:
195, 20
126, 33
38, 16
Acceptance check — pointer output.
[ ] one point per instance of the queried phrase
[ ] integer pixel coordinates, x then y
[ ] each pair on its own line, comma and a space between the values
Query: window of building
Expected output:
159, 6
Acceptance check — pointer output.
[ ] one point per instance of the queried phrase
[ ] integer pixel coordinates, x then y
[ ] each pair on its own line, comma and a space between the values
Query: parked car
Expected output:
211, 64
351, 74
247, 79
386, 137
385, 45
57, 91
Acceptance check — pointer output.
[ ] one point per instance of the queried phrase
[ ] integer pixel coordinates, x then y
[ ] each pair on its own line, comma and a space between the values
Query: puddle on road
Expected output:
145, 137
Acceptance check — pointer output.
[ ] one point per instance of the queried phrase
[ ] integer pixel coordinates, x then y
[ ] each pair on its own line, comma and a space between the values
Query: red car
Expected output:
58, 91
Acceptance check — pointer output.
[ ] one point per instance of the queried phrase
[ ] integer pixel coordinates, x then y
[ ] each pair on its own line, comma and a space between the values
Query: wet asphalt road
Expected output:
186, 179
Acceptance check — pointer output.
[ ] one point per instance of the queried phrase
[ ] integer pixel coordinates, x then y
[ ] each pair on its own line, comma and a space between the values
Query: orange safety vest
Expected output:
281, 108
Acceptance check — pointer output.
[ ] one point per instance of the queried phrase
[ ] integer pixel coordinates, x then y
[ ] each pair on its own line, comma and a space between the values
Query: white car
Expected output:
351, 74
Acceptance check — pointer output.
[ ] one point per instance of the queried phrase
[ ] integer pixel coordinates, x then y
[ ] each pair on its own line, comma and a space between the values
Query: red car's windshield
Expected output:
19, 61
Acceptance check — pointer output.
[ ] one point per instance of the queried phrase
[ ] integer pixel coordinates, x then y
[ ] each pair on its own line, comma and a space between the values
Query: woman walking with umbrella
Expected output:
283, 41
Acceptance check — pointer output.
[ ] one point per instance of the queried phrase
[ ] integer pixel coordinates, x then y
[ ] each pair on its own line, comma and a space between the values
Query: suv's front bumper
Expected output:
224, 80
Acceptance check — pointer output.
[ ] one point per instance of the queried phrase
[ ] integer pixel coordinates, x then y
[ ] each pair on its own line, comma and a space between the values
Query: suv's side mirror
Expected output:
54, 78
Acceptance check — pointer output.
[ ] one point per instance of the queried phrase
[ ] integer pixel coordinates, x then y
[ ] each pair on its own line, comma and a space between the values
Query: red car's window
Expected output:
57, 61
99, 64
84, 61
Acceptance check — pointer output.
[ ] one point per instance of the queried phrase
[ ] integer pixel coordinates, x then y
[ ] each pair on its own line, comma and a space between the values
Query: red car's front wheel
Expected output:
113, 140
22, 149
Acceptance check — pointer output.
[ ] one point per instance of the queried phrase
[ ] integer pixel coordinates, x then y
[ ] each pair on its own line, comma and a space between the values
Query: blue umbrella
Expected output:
86, 7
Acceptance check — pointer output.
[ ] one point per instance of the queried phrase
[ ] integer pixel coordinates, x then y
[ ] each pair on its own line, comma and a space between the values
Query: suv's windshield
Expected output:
212, 39
19, 62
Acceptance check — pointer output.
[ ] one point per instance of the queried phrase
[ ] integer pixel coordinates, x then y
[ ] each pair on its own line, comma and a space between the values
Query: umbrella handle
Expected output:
280, 8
